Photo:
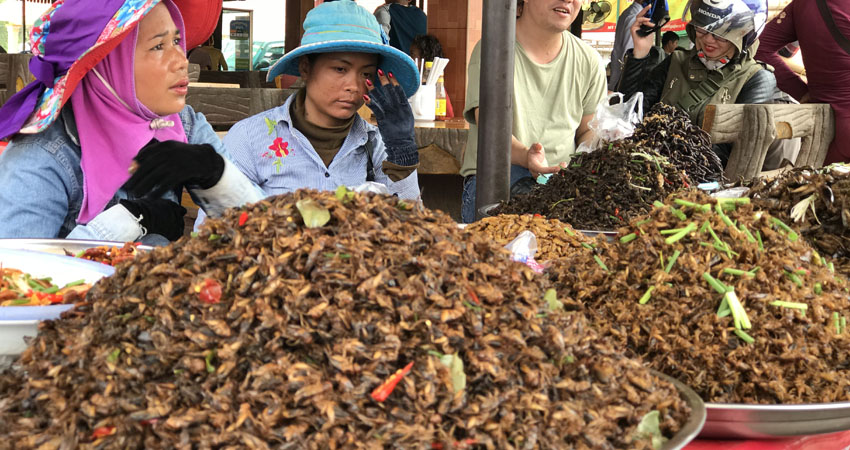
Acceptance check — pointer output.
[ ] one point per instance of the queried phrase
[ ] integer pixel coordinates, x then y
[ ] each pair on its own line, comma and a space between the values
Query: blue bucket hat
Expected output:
344, 26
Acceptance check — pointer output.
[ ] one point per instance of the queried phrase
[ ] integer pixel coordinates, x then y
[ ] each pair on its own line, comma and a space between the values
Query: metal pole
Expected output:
23, 26
495, 117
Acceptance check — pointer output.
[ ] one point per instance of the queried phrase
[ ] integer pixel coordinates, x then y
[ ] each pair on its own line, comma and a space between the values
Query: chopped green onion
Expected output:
754, 270
672, 261
702, 208
734, 200
704, 227
739, 314
836, 322
113, 356
657, 204
569, 231
744, 336
193, 234
644, 221
817, 259
471, 306
792, 235
717, 285
685, 231
678, 214
75, 283
208, 361
628, 238
646, 295
758, 238
601, 264
738, 272
747, 233
830, 267
794, 278
670, 231
818, 289
793, 305
719, 208
587, 246
843, 323
723, 310
214, 237
20, 301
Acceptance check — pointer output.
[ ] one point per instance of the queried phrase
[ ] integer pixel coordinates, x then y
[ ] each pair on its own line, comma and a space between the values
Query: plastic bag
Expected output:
523, 248
614, 122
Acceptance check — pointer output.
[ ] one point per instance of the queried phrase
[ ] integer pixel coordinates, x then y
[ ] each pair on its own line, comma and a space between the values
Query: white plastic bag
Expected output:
614, 122
523, 248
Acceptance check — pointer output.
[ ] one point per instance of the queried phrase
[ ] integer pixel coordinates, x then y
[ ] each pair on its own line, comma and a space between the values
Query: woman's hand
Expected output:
642, 44
165, 166
158, 216
395, 119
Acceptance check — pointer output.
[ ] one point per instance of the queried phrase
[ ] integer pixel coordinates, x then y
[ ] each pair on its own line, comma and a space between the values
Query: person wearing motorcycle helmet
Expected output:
720, 68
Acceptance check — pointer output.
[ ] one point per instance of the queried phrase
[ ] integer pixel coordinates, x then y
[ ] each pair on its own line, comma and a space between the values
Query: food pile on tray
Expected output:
608, 187
726, 298
18, 288
814, 201
330, 320
109, 254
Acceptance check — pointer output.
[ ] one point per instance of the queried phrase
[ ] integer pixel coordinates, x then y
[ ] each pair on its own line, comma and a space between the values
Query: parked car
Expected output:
266, 53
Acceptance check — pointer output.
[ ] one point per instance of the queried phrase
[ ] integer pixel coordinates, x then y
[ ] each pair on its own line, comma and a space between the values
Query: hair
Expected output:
428, 45
519, 4
669, 36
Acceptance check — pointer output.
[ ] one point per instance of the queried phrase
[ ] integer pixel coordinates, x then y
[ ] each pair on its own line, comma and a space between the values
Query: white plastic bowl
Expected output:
17, 322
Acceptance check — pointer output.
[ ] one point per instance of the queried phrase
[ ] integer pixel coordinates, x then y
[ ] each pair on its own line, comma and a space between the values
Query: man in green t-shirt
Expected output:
558, 82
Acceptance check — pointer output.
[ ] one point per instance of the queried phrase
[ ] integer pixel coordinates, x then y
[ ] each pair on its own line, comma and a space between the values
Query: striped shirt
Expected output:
275, 155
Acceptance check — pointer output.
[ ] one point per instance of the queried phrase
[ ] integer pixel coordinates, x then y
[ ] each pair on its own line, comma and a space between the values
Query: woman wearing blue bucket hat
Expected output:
110, 93
316, 139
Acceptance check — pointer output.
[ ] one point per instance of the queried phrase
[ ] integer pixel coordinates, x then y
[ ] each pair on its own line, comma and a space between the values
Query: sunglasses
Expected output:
658, 13
701, 32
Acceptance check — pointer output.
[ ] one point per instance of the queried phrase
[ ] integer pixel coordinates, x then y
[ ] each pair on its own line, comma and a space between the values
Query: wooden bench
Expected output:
752, 128
14, 74
223, 107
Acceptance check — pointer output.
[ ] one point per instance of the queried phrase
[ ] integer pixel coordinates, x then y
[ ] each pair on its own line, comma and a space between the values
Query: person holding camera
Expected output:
720, 68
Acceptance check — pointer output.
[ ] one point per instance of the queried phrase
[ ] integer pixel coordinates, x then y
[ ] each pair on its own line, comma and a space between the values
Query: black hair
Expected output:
669, 36
428, 46
519, 4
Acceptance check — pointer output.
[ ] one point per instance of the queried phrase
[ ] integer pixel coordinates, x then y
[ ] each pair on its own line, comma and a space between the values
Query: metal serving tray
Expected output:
691, 429
737, 421
58, 246
18, 322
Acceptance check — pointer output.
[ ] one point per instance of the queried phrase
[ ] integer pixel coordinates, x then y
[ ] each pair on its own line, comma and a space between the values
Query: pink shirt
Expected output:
827, 64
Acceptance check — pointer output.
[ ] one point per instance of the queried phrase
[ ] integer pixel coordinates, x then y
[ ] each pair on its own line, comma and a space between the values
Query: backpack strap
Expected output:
840, 39
370, 166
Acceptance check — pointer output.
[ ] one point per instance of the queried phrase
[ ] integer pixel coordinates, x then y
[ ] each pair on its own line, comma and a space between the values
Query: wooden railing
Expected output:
752, 128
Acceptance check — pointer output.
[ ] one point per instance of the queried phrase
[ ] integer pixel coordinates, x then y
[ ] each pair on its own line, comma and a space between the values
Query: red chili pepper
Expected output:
56, 298
538, 215
243, 218
384, 390
617, 213
102, 432
473, 295
210, 292
684, 180
150, 422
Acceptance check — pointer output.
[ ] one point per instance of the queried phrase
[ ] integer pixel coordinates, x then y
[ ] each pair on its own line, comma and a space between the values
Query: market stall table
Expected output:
817, 441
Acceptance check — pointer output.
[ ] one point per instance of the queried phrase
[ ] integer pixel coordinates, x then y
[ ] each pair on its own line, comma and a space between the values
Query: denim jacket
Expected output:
279, 158
41, 185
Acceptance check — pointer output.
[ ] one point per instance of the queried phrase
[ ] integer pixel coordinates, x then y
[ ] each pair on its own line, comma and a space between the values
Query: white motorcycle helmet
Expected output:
738, 21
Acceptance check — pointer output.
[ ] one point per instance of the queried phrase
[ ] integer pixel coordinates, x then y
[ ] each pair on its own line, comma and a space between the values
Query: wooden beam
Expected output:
296, 11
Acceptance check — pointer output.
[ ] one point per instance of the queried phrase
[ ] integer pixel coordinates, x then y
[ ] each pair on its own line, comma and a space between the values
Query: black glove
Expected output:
158, 216
395, 122
167, 166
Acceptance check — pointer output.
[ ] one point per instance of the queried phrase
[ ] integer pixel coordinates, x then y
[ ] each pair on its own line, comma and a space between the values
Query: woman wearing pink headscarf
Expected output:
110, 95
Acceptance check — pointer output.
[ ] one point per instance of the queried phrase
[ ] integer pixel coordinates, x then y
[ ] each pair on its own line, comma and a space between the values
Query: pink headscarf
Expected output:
111, 134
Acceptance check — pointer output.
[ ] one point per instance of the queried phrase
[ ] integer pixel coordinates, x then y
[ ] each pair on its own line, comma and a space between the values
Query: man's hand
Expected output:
536, 161
642, 44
